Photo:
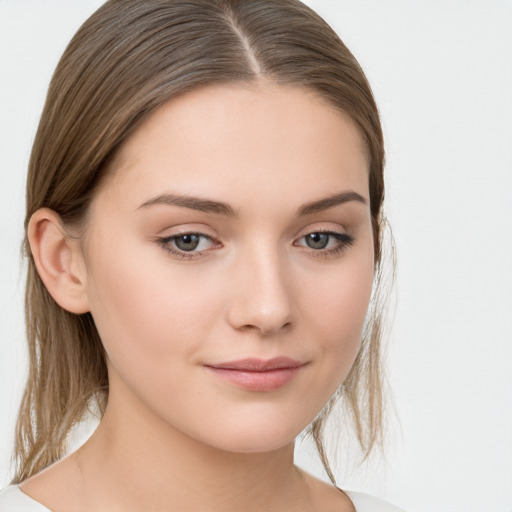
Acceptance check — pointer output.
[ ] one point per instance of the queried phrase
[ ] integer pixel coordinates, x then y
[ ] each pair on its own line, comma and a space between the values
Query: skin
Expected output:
175, 436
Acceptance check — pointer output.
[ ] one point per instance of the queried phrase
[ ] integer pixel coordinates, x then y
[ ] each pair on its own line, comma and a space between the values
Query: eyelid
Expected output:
185, 228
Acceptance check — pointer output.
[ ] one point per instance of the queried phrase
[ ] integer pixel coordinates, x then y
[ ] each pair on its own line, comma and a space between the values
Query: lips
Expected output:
257, 374
259, 365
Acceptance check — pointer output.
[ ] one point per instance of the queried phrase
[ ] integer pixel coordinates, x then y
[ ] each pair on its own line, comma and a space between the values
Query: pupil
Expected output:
187, 242
317, 240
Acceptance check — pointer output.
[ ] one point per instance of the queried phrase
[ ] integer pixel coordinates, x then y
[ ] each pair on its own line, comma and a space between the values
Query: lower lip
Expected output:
257, 381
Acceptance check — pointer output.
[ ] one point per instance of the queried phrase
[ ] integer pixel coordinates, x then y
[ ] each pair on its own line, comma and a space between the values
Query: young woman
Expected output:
203, 234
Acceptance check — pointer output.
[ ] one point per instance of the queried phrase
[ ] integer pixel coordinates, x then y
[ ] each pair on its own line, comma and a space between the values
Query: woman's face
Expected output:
229, 264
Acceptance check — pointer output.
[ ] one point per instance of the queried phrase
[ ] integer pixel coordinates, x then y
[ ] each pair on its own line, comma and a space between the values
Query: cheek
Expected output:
148, 312
341, 296
337, 311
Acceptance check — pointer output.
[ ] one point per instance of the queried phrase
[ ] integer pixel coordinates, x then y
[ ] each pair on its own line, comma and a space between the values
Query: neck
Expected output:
134, 462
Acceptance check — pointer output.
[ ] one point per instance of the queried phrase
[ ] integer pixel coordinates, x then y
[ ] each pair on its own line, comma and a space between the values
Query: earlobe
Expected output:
58, 260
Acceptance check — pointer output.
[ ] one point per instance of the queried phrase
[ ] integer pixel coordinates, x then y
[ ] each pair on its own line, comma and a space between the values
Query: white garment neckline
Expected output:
13, 496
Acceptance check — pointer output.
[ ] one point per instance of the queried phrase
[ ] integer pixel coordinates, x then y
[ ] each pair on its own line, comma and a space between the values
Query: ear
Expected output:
59, 261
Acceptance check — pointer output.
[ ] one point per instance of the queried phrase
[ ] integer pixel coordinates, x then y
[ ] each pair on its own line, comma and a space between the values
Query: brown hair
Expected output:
128, 59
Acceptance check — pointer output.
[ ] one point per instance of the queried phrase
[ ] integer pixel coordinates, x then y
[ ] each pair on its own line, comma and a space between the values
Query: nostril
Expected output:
266, 321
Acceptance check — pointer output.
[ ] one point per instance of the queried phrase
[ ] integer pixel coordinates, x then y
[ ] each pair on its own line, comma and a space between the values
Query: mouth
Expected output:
257, 374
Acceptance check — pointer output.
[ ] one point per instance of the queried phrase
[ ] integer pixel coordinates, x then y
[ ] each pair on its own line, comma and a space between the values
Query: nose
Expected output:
261, 294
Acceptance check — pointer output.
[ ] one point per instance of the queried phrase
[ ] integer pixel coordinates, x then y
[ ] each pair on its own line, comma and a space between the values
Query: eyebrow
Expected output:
329, 202
217, 207
194, 203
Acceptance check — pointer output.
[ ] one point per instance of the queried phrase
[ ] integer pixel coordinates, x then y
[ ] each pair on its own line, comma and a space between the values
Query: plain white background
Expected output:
442, 75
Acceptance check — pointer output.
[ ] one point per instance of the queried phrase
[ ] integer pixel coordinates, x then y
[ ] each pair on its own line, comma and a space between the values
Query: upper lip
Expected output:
258, 365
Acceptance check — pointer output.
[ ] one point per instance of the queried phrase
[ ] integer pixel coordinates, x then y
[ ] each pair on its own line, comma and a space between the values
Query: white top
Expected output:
12, 499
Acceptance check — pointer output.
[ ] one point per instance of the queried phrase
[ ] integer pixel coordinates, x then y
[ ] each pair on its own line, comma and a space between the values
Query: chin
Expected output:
254, 437
245, 444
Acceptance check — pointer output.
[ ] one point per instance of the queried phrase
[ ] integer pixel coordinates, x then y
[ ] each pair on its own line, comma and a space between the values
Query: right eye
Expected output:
187, 245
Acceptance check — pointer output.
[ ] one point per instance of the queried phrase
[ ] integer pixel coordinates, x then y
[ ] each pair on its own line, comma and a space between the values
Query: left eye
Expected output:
325, 240
317, 240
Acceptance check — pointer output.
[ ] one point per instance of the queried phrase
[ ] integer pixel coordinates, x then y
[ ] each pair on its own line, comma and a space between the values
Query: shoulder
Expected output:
12, 499
366, 503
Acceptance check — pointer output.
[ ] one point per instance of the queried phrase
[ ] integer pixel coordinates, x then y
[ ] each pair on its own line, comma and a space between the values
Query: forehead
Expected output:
263, 138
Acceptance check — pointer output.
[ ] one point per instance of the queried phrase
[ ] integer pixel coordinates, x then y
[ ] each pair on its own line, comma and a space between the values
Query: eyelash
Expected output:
344, 241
